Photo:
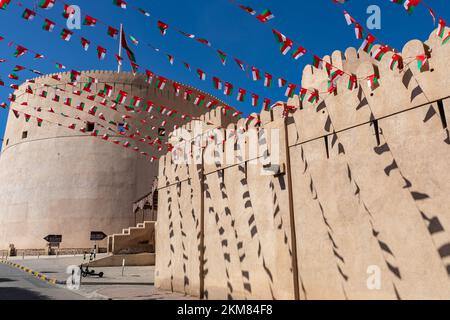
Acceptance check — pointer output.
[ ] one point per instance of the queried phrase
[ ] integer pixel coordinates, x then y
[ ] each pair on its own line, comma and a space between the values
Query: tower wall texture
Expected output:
370, 184
62, 181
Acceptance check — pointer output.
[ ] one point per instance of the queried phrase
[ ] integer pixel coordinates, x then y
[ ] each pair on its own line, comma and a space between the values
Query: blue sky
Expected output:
317, 25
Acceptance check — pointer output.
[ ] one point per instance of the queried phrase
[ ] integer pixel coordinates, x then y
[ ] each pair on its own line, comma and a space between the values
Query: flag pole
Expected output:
119, 67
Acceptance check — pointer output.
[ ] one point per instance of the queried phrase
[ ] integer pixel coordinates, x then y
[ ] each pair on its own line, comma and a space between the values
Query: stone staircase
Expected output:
133, 240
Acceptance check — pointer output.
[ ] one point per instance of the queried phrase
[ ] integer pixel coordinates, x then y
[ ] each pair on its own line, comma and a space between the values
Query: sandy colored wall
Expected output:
374, 200
61, 181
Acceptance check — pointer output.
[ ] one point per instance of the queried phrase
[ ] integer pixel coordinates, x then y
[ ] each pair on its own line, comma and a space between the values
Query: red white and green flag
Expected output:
108, 90
120, 3
71, 126
134, 40
217, 83
367, 44
300, 52
317, 62
358, 31
240, 64
112, 32
265, 16
446, 39
187, 94
212, 104
228, 89
352, 82
201, 74
255, 99
46, 4
101, 52
85, 43
267, 80
18, 68
162, 27
266, 104
170, 58
92, 110
176, 88
66, 34
39, 122
149, 75
68, 11
204, 41
199, 100
290, 90
410, 5
121, 97
241, 94
281, 82
248, 10
68, 102
119, 59
134, 68
161, 82
48, 25
222, 56
4, 4
89, 21
27, 117
348, 18
13, 76
372, 81
28, 14
314, 97
255, 74
20, 51
149, 106
441, 28
286, 46
136, 101
302, 94
422, 62
380, 52
56, 98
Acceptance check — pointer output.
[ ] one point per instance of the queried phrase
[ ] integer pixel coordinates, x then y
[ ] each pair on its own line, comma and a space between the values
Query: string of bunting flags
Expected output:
104, 137
201, 74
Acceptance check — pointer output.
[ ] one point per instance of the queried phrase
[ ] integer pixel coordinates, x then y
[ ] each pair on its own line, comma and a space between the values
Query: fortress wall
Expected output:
62, 181
370, 185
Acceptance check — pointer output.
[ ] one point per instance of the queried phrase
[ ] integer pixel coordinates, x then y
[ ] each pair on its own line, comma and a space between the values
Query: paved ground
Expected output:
18, 285
135, 283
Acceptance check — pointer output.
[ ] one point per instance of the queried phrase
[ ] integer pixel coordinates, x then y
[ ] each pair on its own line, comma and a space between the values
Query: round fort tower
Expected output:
57, 180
